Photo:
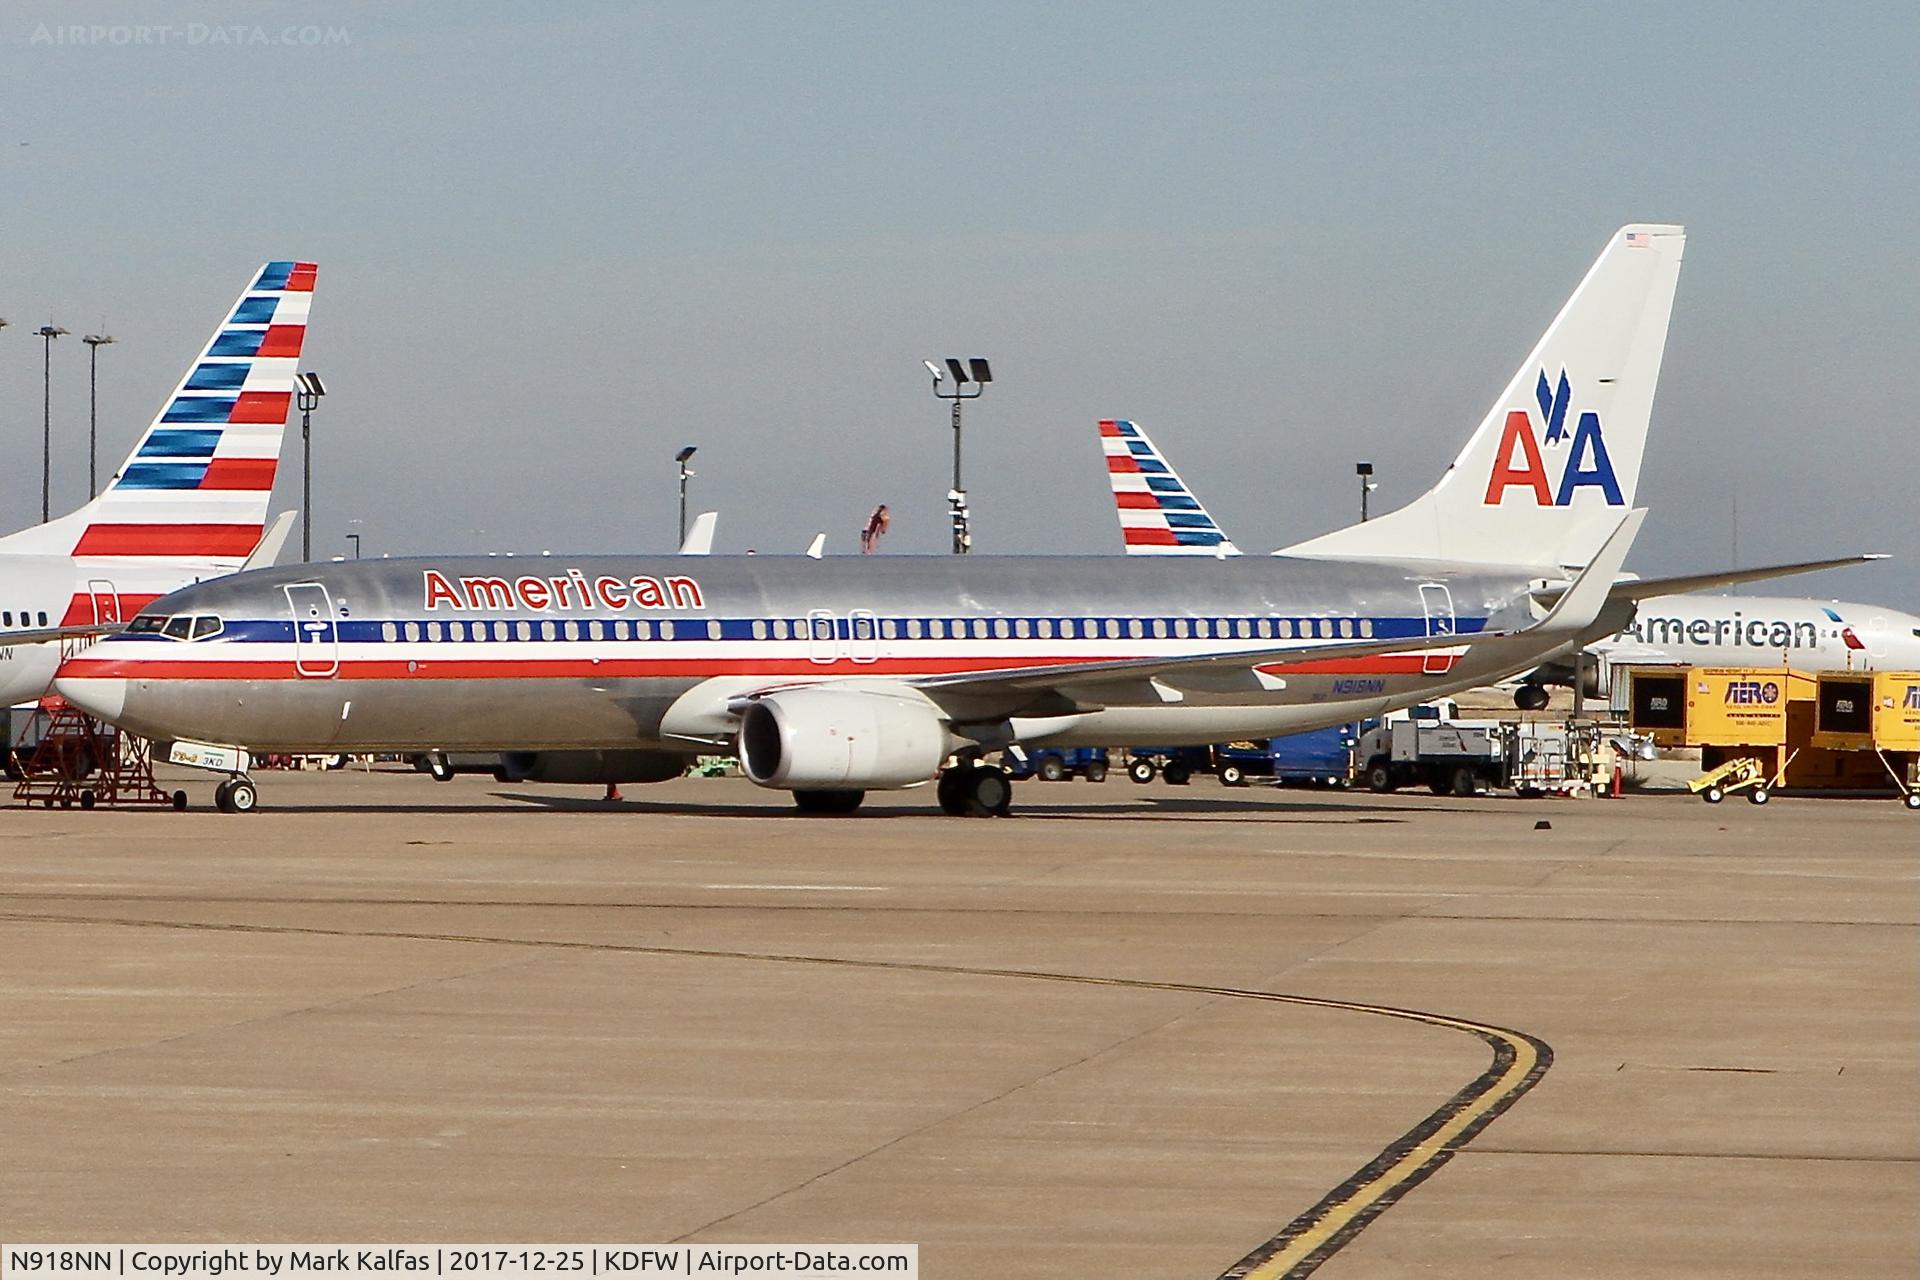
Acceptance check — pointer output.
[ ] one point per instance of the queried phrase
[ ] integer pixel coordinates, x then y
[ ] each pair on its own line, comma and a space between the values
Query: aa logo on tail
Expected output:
1518, 461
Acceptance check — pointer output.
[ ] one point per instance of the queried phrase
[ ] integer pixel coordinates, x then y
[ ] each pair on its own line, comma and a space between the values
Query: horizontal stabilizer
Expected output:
1648, 588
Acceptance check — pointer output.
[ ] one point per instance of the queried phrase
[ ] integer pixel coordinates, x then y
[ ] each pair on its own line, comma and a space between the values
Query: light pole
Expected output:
94, 342
686, 474
1365, 471
307, 393
49, 332
977, 374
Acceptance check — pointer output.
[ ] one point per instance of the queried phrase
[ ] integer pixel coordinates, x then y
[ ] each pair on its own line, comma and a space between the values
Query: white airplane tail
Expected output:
1159, 516
1554, 466
196, 486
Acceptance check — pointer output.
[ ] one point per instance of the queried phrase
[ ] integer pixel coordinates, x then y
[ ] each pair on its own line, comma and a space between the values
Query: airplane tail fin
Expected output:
1555, 463
1159, 516
196, 486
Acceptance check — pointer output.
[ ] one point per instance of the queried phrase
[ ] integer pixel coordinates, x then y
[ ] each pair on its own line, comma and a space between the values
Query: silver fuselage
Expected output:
594, 653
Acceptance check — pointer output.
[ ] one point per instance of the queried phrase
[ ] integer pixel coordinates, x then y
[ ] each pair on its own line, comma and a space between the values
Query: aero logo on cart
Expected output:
1913, 698
1752, 693
1519, 463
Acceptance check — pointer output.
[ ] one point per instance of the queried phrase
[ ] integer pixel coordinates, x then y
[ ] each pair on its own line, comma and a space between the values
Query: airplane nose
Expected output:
104, 698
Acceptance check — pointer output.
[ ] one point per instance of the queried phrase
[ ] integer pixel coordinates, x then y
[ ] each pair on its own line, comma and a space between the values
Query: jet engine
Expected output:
592, 766
842, 739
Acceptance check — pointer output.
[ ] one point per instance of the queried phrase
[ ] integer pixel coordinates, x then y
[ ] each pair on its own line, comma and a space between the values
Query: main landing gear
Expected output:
236, 795
975, 790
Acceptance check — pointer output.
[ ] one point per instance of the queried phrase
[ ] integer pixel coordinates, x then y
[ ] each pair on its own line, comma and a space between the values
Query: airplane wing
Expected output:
1576, 610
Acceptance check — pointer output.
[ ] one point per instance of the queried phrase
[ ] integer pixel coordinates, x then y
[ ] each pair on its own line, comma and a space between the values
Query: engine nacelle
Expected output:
855, 739
592, 766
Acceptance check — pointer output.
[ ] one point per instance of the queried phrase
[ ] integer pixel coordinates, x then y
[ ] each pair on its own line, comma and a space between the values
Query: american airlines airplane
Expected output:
832, 678
188, 504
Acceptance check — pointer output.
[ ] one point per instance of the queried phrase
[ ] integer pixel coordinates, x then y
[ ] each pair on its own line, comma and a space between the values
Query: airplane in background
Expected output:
835, 677
1161, 516
188, 504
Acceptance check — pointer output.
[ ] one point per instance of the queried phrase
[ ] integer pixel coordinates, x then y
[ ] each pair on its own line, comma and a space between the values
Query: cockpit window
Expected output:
179, 628
207, 625
183, 626
146, 624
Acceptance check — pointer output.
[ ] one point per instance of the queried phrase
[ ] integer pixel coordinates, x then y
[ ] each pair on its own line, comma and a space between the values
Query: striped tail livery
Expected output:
1159, 516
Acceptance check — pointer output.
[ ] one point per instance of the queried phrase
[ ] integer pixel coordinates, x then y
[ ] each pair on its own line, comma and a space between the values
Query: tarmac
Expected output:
1131, 1030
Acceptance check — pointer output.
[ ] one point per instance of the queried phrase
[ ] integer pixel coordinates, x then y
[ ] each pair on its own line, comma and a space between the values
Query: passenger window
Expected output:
1044, 628
6, 618
889, 629
1243, 629
1022, 628
1001, 629
1346, 628
1266, 628
180, 628
43, 617
1366, 627
936, 629
913, 628
713, 629
666, 631
1066, 629
759, 628
1136, 629
436, 632
523, 630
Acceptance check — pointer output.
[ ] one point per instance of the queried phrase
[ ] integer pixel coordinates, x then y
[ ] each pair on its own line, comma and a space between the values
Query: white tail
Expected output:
1556, 462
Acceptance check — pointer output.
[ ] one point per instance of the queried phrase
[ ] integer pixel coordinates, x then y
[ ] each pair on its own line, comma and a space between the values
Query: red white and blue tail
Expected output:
1159, 516
196, 486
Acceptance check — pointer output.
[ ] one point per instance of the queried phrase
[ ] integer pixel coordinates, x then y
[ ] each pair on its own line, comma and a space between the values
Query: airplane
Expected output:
188, 504
1161, 515
835, 677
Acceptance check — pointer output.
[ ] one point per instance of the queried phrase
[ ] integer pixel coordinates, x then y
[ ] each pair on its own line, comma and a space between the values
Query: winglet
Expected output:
700, 538
267, 550
818, 547
1581, 603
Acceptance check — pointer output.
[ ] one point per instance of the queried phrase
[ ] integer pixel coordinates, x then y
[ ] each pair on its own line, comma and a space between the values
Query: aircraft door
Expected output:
822, 644
1436, 601
106, 601
1877, 633
316, 642
863, 636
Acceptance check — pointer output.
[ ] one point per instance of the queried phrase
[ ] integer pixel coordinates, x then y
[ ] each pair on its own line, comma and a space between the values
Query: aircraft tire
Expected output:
242, 796
989, 793
951, 789
222, 797
1141, 770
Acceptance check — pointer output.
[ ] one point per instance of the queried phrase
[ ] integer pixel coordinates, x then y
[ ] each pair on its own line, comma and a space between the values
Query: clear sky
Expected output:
558, 242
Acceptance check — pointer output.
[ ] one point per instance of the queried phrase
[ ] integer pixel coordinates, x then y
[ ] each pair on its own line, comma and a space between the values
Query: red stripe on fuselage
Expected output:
168, 540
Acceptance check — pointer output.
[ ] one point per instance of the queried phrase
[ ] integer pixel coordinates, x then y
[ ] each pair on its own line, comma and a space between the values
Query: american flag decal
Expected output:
1639, 240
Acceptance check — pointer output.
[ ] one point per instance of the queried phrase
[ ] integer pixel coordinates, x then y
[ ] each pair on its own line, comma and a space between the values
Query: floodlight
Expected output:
981, 371
959, 374
311, 385
685, 453
932, 368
